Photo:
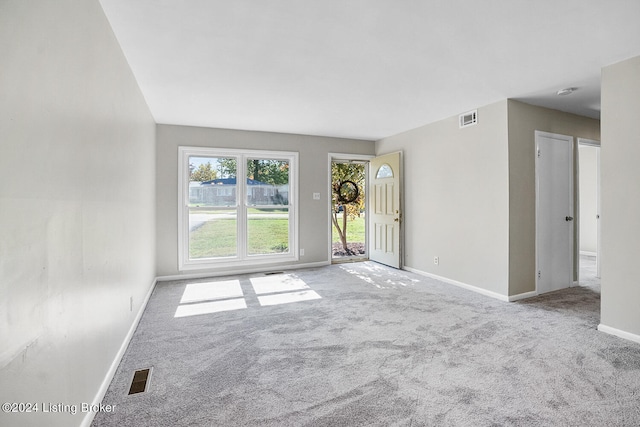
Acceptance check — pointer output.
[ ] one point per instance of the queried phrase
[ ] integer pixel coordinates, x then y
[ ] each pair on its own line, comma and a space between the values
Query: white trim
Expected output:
347, 156
106, 382
459, 284
619, 333
248, 270
522, 296
357, 157
592, 142
587, 253
186, 264
598, 253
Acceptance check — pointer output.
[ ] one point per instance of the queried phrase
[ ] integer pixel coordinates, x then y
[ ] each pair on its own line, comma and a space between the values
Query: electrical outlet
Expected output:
436, 260
301, 252
316, 196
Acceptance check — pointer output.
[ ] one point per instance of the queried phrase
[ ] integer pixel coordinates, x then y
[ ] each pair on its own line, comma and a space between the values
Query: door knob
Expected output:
396, 219
568, 218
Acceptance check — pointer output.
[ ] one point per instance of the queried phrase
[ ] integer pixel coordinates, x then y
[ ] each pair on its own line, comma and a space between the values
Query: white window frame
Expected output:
242, 257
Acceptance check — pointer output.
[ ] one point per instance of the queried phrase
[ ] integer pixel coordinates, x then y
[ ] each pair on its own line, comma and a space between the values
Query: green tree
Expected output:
227, 167
341, 172
204, 172
275, 172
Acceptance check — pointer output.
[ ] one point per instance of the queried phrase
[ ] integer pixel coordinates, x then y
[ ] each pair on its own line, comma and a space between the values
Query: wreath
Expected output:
347, 192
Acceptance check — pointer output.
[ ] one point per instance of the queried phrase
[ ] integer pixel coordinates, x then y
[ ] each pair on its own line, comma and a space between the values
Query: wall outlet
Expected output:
436, 260
316, 196
301, 252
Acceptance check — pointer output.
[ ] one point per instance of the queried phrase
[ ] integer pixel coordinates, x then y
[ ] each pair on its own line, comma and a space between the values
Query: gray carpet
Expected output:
381, 347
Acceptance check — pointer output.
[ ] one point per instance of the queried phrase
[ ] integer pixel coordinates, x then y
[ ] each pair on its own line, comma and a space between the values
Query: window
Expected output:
236, 206
385, 171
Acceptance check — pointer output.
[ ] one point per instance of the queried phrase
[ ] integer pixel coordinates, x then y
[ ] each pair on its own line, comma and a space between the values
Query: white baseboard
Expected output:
88, 418
459, 284
523, 295
619, 333
256, 269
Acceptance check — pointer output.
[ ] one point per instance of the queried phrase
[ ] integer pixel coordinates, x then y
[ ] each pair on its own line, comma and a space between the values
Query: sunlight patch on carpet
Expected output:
279, 283
210, 307
288, 297
208, 291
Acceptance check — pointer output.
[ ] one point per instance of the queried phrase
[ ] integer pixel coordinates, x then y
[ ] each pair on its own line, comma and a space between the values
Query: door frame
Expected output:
355, 157
596, 144
572, 237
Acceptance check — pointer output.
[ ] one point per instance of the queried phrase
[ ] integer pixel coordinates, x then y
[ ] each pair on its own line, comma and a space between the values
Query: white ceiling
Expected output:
366, 69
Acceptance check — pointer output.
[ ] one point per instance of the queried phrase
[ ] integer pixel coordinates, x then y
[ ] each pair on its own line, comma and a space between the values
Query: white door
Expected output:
589, 197
554, 211
384, 209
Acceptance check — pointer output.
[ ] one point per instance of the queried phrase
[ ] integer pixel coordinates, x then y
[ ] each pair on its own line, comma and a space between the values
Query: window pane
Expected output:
385, 171
212, 233
267, 182
212, 181
267, 231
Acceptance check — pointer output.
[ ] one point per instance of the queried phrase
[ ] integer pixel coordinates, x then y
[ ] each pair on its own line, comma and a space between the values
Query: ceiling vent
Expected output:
468, 119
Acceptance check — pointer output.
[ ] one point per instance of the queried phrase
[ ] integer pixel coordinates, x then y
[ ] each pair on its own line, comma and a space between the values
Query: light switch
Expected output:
316, 196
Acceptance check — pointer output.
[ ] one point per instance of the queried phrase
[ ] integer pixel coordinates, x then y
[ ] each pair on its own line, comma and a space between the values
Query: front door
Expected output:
385, 214
554, 211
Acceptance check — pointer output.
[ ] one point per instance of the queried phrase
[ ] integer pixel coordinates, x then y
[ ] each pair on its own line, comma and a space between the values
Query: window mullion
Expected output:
241, 188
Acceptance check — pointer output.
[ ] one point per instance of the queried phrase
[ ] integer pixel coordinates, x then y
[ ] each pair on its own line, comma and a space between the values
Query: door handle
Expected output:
396, 219
568, 218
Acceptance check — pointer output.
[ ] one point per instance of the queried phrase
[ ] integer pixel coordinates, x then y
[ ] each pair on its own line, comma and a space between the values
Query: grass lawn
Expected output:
265, 236
218, 238
355, 230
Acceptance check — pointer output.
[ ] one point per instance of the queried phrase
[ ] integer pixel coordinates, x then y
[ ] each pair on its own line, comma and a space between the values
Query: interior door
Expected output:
385, 214
589, 198
554, 211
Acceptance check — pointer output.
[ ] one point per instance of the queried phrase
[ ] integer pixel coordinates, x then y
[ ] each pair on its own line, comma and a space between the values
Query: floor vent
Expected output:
273, 272
140, 381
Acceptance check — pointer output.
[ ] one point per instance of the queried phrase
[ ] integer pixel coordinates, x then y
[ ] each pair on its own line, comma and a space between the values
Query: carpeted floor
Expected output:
367, 345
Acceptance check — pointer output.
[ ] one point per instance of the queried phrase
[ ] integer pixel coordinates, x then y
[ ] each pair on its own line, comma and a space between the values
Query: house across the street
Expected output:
222, 192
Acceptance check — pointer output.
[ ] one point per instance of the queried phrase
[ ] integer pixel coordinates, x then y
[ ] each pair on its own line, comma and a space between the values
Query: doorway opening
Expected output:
349, 228
589, 212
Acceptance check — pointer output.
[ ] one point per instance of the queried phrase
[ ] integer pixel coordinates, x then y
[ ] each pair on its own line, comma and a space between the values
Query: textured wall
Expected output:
456, 198
77, 200
620, 176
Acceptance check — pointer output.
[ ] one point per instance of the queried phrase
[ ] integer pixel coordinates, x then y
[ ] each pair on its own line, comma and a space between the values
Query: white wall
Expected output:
313, 171
456, 190
588, 187
620, 197
77, 200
